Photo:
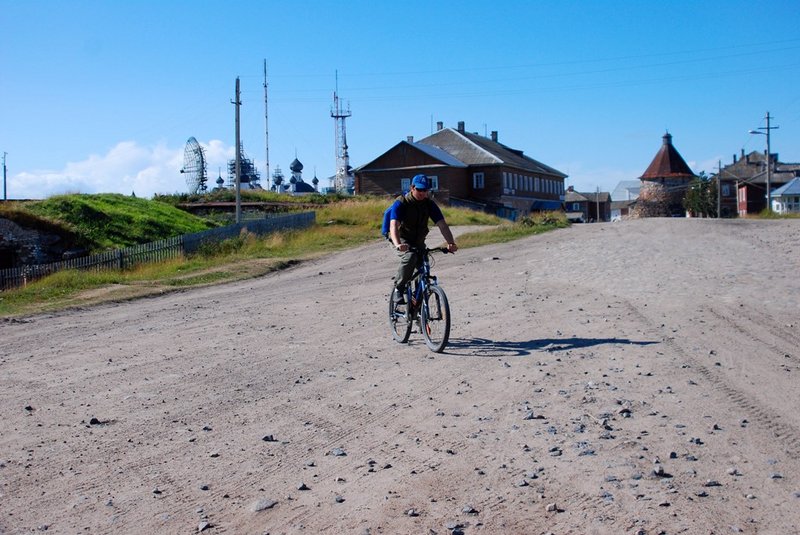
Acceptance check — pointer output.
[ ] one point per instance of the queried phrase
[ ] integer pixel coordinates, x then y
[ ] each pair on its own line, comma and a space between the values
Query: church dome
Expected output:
296, 166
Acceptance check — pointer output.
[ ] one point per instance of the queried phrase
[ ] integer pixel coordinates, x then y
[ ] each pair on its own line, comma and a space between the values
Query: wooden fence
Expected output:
155, 251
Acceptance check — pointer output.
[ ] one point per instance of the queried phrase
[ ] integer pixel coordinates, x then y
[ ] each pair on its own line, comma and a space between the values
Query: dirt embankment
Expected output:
633, 377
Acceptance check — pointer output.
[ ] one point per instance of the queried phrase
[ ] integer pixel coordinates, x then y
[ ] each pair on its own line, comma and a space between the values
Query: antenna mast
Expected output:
266, 121
344, 181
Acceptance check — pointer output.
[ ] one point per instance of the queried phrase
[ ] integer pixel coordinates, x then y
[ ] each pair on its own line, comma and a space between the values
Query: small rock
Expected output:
712, 483
469, 510
203, 487
203, 526
263, 505
95, 421
268, 438
412, 512
776, 475
338, 452
338, 499
551, 507
303, 486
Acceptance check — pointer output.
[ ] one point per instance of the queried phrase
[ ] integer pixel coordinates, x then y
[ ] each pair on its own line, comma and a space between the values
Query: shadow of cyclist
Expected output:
482, 347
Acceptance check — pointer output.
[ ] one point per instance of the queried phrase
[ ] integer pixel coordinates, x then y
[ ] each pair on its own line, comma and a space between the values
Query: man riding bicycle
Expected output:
408, 227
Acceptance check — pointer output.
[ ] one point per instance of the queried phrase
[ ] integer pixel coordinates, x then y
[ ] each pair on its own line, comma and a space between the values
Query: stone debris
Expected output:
263, 504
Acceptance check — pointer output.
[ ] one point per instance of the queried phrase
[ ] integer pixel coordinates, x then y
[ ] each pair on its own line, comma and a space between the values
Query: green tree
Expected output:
701, 196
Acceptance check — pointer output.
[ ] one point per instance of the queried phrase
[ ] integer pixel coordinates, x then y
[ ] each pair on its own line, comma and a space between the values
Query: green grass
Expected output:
112, 221
339, 226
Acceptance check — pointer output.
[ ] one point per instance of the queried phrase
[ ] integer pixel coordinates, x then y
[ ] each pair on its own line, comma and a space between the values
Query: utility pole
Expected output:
769, 158
597, 201
5, 195
719, 188
238, 103
266, 124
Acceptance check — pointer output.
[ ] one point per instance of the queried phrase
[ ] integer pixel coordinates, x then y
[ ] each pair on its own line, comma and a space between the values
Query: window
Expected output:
536, 184
506, 184
405, 184
576, 207
477, 180
434, 182
726, 190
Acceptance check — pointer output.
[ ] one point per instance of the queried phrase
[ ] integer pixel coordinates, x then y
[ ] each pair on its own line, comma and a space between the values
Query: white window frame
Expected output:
405, 184
478, 181
434, 183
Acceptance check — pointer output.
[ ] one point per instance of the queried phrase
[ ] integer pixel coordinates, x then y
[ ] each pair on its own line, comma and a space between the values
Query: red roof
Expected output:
668, 163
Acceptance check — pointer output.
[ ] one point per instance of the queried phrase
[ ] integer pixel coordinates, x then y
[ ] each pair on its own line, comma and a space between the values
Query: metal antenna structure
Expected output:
344, 181
194, 166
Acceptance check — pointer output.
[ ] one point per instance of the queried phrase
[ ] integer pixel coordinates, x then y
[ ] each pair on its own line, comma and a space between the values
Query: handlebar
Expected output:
426, 250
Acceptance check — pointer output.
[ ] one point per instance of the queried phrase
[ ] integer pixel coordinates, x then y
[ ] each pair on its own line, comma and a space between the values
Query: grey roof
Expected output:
790, 188
574, 196
439, 154
473, 149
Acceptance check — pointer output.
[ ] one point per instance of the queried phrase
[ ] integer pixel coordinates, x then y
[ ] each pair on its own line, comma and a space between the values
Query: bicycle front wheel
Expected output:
399, 319
435, 319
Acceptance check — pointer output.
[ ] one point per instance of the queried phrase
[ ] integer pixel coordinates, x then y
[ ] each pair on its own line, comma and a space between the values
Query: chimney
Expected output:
571, 188
461, 126
439, 125
734, 157
410, 139
494, 136
667, 139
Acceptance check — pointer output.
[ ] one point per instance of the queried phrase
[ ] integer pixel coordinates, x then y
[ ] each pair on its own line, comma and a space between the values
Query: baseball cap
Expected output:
420, 182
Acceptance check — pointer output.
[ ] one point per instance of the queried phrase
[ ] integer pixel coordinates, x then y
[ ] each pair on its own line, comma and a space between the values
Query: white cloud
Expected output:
127, 167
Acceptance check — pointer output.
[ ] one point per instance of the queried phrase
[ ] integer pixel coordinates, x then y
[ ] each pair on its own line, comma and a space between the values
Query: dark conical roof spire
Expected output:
668, 163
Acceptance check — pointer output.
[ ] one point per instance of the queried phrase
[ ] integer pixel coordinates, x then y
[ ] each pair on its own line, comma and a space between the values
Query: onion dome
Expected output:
296, 166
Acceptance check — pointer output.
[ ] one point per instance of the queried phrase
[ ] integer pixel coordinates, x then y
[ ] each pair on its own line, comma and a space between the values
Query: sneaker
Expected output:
399, 297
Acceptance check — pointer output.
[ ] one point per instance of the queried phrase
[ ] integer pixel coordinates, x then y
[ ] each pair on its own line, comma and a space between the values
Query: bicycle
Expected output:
426, 303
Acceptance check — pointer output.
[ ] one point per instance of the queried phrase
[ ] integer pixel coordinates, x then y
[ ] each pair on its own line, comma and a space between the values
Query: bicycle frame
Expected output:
421, 278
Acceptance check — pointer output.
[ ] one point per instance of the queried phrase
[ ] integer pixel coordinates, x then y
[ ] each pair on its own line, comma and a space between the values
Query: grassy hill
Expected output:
111, 220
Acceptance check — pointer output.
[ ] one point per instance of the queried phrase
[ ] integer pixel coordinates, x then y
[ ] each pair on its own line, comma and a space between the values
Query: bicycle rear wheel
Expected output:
399, 319
435, 319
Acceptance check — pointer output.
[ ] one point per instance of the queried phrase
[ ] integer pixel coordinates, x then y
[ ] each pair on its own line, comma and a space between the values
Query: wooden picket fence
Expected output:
158, 251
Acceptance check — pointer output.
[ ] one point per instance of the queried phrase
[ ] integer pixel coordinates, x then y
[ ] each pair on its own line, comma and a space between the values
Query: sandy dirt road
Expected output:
635, 377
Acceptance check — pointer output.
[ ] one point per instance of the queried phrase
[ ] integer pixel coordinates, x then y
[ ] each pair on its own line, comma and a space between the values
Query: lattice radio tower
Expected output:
344, 181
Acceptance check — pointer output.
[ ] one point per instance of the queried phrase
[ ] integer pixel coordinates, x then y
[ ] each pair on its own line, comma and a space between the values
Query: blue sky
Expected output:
102, 96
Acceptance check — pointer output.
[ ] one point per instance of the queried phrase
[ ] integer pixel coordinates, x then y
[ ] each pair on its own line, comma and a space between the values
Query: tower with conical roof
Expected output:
664, 183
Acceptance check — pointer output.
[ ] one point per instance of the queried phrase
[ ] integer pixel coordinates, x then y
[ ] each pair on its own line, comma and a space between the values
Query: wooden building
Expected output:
466, 169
